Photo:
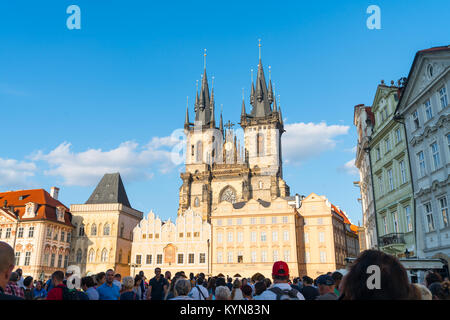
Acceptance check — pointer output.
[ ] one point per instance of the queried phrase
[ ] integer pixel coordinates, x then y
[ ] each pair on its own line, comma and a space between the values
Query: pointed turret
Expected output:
186, 119
270, 90
204, 113
252, 92
261, 105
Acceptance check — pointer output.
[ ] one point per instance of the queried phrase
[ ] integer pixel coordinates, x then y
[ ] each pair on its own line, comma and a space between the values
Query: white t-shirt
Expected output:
238, 294
269, 295
196, 295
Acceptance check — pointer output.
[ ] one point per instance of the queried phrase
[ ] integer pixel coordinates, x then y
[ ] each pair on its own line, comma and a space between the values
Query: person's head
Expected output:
100, 278
268, 282
38, 285
191, 276
438, 292
260, 287
223, 293
229, 280
141, 274
212, 283
329, 273
28, 282
19, 272
167, 275
182, 287
86, 283
244, 281
337, 278
307, 281
137, 280
420, 292
200, 280
109, 276
57, 278
220, 281
118, 277
127, 283
157, 272
6, 263
236, 284
325, 284
14, 277
280, 272
432, 277
376, 267
247, 291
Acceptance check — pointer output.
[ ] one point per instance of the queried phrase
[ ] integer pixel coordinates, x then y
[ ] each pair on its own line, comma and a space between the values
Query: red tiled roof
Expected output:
46, 204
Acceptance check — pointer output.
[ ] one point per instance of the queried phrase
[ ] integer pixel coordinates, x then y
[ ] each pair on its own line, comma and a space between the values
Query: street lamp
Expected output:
134, 266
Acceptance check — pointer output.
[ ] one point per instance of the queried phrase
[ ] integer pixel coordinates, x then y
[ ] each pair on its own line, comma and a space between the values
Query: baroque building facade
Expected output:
424, 110
394, 200
39, 229
364, 120
104, 229
183, 245
328, 237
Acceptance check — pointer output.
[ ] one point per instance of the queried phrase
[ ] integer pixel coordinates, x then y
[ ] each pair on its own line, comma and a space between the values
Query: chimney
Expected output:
54, 191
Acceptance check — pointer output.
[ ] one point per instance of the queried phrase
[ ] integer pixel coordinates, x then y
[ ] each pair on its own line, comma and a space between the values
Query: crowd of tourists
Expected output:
394, 284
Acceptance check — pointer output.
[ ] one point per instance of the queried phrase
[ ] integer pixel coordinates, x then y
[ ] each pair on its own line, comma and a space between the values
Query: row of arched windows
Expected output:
91, 256
93, 231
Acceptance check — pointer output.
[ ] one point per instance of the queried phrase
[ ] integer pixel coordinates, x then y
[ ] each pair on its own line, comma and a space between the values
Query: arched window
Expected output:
196, 202
104, 257
259, 144
228, 194
79, 256
106, 230
199, 151
94, 230
81, 231
91, 255
121, 230
260, 184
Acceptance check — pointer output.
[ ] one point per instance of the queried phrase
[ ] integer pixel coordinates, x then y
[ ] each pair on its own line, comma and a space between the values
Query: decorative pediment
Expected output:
30, 210
6, 216
60, 212
427, 70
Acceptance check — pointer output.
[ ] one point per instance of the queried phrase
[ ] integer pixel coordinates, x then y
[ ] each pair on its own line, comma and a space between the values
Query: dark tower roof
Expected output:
204, 106
261, 98
109, 190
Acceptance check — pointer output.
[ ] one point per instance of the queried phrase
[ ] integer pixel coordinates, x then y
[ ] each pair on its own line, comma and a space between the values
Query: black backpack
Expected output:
71, 294
285, 294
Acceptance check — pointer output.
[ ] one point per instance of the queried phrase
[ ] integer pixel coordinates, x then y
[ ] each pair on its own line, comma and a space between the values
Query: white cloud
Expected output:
303, 141
87, 167
350, 168
15, 174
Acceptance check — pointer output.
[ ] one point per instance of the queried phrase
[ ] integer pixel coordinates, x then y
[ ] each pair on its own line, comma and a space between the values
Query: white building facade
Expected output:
424, 108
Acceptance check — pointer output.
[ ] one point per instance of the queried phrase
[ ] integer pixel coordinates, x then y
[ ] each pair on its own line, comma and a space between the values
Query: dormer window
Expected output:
60, 213
30, 210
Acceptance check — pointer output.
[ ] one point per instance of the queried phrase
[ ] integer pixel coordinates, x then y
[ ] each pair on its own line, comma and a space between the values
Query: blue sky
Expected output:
78, 103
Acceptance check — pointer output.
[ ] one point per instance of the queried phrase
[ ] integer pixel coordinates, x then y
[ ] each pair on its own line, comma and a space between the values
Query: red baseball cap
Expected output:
280, 268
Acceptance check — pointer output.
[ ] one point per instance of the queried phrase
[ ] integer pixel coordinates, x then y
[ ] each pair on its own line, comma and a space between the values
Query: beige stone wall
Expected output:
188, 235
116, 245
249, 232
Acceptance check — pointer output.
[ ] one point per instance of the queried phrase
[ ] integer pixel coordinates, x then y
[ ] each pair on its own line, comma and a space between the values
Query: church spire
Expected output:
204, 112
186, 120
270, 93
212, 121
261, 105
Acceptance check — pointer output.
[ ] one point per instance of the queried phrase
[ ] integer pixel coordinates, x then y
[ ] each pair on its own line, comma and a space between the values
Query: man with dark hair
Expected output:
157, 287
230, 283
58, 287
118, 280
326, 288
308, 291
28, 284
6, 268
337, 278
281, 289
199, 292
88, 286
109, 291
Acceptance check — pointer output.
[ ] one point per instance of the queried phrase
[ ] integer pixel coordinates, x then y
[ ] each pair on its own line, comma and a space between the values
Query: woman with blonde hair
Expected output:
128, 286
236, 293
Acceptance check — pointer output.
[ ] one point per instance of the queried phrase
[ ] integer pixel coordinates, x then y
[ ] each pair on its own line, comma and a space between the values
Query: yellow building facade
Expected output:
104, 229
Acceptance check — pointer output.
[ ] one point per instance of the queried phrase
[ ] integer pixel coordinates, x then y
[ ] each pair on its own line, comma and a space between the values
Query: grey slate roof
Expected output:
109, 190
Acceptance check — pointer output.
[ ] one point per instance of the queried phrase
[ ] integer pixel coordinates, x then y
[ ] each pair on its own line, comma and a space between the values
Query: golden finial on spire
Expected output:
204, 57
